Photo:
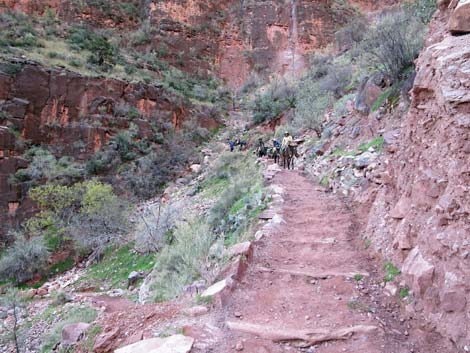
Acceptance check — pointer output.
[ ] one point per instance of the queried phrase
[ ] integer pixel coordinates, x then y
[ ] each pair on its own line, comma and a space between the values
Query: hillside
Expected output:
127, 222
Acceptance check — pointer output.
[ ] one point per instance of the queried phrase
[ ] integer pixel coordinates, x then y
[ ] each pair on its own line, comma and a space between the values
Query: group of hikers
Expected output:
285, 151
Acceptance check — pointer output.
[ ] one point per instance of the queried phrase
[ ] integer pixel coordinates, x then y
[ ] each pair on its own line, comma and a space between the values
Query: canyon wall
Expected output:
72, 115
420, 214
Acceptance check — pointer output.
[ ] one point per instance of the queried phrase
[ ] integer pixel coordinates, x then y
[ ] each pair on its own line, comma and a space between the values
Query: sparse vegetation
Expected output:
11, 300
278, 98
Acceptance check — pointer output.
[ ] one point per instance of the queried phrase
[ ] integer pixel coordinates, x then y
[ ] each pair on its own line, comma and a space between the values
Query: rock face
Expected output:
424, 208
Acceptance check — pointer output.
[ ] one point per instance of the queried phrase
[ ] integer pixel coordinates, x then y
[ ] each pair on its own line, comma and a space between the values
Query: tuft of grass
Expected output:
204, 300
404, 292
325, 181
112, 271
367, 243
390, 271
358, 277
377, 143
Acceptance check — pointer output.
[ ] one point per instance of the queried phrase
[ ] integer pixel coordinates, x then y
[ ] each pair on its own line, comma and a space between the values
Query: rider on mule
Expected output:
286, 141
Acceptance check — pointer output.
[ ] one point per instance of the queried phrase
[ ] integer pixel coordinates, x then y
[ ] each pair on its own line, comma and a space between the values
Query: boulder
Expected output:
133, 277
401, 209
419, 269
105, 341
195, 311
216, 288
195, 168
460, 18
245, 249
73, 333
367, 94
172, 344
364, 159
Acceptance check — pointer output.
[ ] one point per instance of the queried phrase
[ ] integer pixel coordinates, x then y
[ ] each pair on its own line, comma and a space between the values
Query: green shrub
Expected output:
103, 53
24, 259
101, 161
404, 292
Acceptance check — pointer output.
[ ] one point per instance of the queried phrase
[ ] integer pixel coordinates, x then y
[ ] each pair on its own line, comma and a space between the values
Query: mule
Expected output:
287, 155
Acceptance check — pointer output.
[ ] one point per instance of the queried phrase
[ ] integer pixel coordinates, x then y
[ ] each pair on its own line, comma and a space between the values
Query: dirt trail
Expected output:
300, 281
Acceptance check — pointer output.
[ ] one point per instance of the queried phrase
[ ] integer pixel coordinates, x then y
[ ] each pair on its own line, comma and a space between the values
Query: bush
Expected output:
101, 220
421, 9
24, 259
392, 45
326, 82
103, 53
157, 228
44, 166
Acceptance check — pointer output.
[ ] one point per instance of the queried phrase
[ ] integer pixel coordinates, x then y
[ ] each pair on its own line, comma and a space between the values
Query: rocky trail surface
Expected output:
311, 286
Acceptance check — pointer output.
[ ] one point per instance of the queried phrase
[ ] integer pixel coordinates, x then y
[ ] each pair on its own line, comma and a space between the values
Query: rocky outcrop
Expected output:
424, 207
460, 19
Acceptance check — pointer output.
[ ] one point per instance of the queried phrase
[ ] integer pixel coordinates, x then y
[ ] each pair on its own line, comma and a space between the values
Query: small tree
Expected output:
13, 301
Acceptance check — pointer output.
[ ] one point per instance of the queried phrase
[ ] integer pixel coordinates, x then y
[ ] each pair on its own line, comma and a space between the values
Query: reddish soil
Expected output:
288, 302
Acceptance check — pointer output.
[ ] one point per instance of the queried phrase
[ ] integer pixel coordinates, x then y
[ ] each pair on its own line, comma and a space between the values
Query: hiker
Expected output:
231, 143
276, 150
261, 149
286, 141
